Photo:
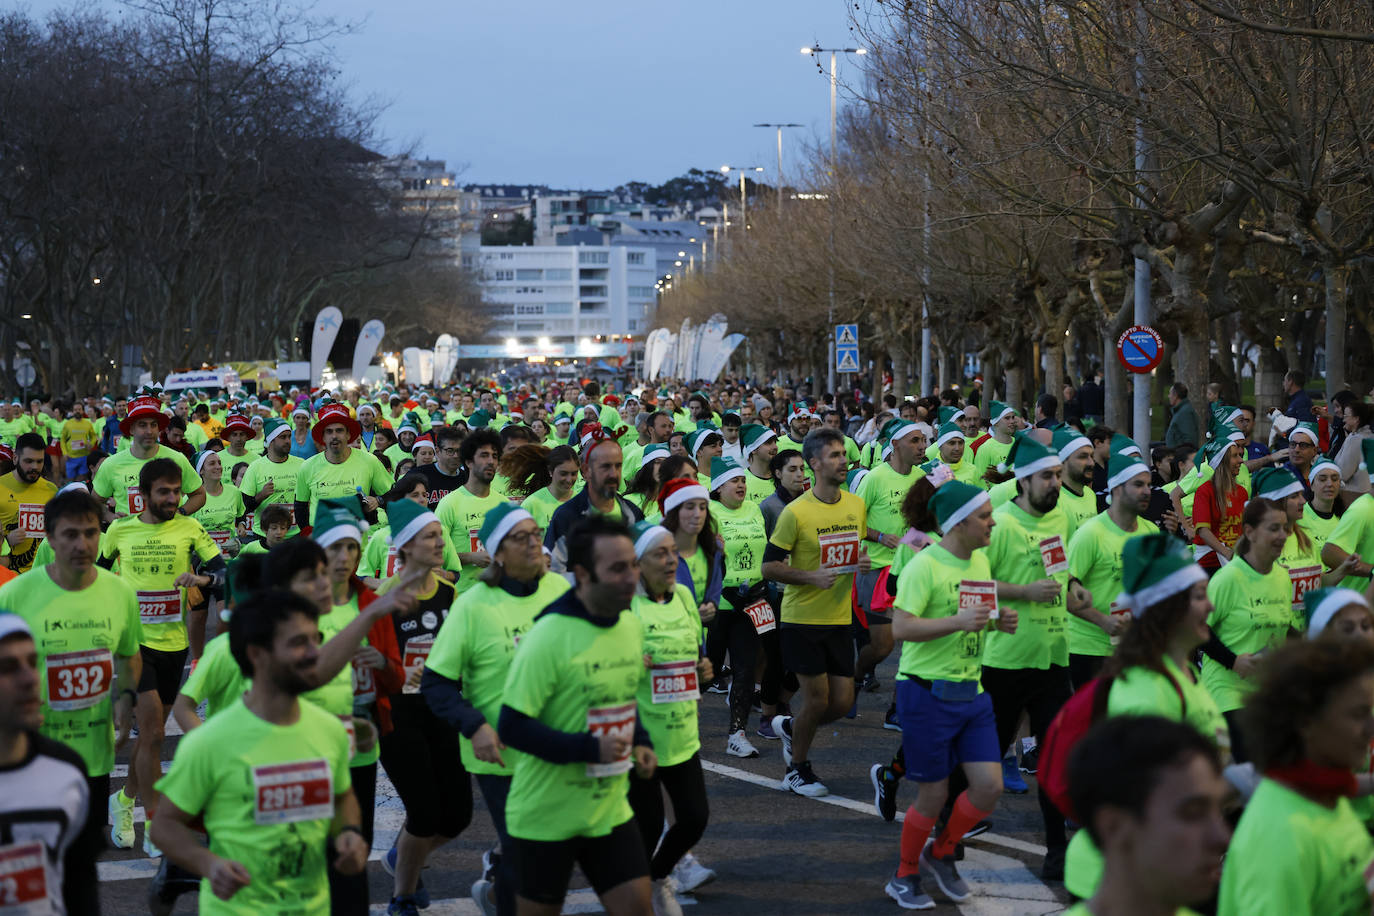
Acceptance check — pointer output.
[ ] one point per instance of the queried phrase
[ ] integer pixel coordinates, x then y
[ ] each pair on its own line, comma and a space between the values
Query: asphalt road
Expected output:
774, 852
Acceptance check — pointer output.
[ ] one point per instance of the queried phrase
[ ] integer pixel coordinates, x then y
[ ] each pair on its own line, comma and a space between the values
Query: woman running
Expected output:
789, 482
220, 515
542, 478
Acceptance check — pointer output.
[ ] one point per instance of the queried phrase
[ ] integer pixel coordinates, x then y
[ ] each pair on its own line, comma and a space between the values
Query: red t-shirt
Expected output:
1227, 527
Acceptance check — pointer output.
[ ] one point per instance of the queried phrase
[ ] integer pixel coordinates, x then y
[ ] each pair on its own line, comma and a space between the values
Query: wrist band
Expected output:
350, 828
133, 696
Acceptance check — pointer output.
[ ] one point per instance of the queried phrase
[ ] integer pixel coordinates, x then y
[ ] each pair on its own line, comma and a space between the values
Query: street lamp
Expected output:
834, 84
779, 127
743, 207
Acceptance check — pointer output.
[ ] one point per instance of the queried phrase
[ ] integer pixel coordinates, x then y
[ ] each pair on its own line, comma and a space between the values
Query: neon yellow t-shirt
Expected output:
117, 477
883, 491
1354, 533
283, 478
672, 640
151, 556
541, 505
318, 479
78, 438
742, 531
1251, 612
216, 679
929, 587
461, 513
1095, 560
1027, 549
821, 535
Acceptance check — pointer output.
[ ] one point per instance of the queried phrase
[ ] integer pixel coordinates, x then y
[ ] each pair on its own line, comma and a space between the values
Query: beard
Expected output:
293, 681
1046, 502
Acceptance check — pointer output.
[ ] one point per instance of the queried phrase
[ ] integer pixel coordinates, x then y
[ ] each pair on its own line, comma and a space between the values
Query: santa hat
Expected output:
238, 422
646, 534
677, 491
1030, 456
330, 415
407, 518
1068, 440
1155, 567
1308, 431
498, 522
699, 438
751, 436
956, 501
336, 519
1275, 484
948, 432
723, 469
12, 624
272, 428
410, 423
654, 452
855, 477
1322, 604
1124, 467
999, 411
145, 404
1125, 445
421, 442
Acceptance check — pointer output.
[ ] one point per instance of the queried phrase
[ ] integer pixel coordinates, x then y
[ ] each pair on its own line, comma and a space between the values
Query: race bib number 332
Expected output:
78, 680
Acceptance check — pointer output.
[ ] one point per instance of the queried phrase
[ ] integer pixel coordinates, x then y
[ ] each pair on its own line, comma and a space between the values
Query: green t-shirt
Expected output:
43, 555
216, 679
195, 434
1304, 571
700, 571
476, 644
883, 491
151, 556
77, 635
756, 488
632, 457
1095, 560
219, 515
11, 430
1354, 533
990, 454
743, 532
283, 478
541, 505
267, 794
461, 513
575, 676
228, 462
379, 558
117, 477
672, 640
1081, 909
1004, 492
1027, 549
1076, 509
317, 479
1250, 613
929, 586
1291, 855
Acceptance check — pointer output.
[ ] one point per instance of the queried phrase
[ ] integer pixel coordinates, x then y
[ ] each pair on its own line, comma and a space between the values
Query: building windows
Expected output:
634, 257
594, 292
558, 273
529, 274
503, 275
558, 308
529, 290
529, 310
641, 292
593, 257
631, 324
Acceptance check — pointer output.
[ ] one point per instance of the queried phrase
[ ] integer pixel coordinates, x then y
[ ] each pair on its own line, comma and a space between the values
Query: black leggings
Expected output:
1040, 693
421, 756
732, 630
495, 790
1240, 753
348, 893
686, 787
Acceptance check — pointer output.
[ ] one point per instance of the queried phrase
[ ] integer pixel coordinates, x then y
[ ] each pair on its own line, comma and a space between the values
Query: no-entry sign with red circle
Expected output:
1140, 349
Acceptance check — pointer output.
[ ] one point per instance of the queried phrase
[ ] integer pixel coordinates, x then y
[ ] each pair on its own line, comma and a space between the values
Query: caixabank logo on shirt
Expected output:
602, 673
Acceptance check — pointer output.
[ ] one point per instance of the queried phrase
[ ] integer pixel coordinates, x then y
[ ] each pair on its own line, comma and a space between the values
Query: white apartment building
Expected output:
567, 293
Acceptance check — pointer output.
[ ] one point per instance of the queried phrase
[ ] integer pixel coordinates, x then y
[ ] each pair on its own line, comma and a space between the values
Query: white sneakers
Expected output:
122, 823
737, 745
665, 898
689, 874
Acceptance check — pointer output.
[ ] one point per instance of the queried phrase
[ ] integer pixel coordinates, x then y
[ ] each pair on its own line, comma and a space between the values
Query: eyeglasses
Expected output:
450, 451
518, 538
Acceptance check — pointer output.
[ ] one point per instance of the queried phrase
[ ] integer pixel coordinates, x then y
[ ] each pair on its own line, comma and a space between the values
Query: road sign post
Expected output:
846, 348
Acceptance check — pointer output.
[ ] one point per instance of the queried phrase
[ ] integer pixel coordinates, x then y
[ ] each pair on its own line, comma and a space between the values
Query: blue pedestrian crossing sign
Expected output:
847, 335
847, 359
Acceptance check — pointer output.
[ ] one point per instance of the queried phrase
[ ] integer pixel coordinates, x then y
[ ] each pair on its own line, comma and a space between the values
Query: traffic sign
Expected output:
1140, 349
847, 335
847, 359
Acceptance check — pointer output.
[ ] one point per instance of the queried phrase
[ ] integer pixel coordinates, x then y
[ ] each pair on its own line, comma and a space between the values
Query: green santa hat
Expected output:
998, 411
751, 436
1029, 456
1308, 431
274, 427
336, 519
698, 438
1275, 484
855, 477
646, 534
498, 522
1215, 450
1155, 567
723, 469
407, 518
409, 423
654, 452
1068, 440
1323, 464
1321, 604
955, 501
948, 431
1124, 467
896, 429
480, 418
1125, 445
1225, 415
947, 415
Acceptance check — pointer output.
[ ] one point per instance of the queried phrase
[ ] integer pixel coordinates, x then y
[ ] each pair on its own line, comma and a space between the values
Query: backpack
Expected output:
1084, 709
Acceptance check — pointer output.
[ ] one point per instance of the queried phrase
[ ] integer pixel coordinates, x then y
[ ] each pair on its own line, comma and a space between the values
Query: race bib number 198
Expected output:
31, 523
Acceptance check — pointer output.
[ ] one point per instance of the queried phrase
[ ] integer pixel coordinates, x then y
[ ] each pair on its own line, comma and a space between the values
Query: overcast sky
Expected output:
588, 94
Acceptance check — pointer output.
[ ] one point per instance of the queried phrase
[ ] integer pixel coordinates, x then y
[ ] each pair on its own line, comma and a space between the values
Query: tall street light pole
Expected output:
779, 127
834, 89
743, 206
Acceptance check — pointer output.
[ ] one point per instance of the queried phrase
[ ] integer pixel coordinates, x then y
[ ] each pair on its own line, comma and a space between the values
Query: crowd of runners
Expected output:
527, 592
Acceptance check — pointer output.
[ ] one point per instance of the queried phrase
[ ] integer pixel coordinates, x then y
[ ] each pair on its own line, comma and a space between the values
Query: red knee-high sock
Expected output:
916, 830
964, 816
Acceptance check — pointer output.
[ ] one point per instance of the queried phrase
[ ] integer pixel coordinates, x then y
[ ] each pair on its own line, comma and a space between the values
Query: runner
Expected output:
379, 561
271, 478
1150, 793
1218, 505
815, 550
1354, 534
23, 493
541, 478
289, 757
668, 709
1076, 497
789, 481
945, 602
156, 550
47, 856
461, 511
642, 491
1095, 563
445, 475
1003, 422
116, 480
685, 509
600, 461
465, 673
569, 705
220, 515
77, 439
704, 445
237, 432
89, 631
1310, 726
339, 470
758, 445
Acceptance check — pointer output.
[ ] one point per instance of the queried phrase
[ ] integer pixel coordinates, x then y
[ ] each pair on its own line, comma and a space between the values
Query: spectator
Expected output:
1073, 408
1299, 401
1183, 425
1091, 399
1356, 420
1330, 418
1245, 422
1046, 409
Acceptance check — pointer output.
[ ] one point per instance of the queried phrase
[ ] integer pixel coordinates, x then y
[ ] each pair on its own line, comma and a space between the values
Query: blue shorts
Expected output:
76, 468
938, 735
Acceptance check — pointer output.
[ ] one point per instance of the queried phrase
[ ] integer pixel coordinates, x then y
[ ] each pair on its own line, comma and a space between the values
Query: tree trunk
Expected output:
1268, 389
1054, 364
1337, 289
1015, 379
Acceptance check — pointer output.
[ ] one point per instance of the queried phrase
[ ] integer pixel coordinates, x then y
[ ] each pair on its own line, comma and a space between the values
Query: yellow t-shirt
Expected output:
21, 507
78, 437
821, 536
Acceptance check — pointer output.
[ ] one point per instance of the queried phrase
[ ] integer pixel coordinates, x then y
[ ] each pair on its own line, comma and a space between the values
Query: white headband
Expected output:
964, 511
1177, 581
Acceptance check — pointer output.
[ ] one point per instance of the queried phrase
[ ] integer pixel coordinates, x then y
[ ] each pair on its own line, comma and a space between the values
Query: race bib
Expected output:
286, 793
978, 595
840, 551
393, 563
352, 731
474, 542
31, 523
761, 615
24, 879
1304, 579
222, 540
674, 682
1054, 557
136, 503
414, 657
364, 685
78, 680
1117, 609
159, 607
612, 720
